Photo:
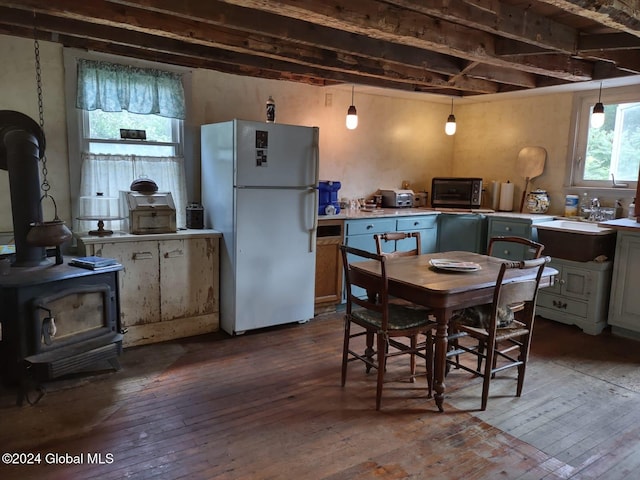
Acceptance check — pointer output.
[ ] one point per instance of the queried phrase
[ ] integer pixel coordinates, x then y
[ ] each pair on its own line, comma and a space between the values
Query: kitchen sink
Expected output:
577, 241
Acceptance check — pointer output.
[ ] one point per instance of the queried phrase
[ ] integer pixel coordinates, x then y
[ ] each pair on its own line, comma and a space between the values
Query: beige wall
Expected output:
18, 92
491, 134
397, 139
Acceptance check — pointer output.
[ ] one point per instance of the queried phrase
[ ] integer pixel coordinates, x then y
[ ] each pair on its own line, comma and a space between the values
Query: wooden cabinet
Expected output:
328, 265
169, 287
579, 296
466, 232
624, 309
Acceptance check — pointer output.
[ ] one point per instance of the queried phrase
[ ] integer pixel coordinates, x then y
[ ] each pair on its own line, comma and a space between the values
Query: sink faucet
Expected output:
595, 214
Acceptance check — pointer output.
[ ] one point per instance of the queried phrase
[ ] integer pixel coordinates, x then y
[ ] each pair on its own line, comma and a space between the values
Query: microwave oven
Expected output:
456, 192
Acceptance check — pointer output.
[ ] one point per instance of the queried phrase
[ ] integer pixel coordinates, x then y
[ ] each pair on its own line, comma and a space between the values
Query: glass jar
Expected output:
538, 201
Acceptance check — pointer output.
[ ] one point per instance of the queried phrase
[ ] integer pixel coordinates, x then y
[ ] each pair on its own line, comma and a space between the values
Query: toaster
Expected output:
396, 198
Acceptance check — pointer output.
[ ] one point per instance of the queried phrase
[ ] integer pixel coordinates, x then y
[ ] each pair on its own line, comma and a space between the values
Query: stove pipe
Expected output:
22, 145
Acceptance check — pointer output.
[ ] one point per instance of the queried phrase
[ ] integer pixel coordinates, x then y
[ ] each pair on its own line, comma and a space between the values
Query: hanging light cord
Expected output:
36, 49
352, 88
600, 93
451, 105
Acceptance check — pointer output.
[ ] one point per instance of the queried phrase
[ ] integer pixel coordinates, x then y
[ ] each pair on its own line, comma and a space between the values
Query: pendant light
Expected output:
450, 126
352, 114
597, 115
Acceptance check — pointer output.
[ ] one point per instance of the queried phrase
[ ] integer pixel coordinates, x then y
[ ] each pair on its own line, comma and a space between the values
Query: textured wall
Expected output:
396, 140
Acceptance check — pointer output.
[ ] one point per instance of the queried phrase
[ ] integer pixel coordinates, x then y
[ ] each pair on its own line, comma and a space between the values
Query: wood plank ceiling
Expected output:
447, 47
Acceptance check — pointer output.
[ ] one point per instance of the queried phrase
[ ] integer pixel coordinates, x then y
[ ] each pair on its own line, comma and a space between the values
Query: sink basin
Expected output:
577, 241
583, 228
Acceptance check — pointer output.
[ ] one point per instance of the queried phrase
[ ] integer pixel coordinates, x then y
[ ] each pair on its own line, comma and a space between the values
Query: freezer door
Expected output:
275, 266
268, 154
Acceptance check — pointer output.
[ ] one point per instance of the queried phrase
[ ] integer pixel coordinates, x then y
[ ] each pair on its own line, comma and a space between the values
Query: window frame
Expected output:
177, 134
582, 105
77, 121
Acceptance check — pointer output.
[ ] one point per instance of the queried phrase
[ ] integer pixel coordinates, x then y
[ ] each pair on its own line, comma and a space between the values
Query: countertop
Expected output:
130, 237
627, 224
355, 214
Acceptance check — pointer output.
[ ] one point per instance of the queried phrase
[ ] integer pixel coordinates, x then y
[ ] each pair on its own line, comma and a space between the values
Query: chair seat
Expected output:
401, 317
515, 329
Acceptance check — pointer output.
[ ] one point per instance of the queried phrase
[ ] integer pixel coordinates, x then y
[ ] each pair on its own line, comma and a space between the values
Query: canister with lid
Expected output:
538, 201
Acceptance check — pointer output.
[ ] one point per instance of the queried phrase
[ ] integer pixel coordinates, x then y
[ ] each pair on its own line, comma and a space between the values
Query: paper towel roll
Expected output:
506, 197
495, 195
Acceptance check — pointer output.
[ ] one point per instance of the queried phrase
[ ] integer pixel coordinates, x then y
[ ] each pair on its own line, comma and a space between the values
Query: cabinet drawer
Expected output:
562, 304
374, 225
509, 228
416, 223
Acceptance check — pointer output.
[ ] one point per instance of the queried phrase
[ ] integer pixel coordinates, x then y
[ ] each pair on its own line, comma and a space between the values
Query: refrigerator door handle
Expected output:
314, 226
316, 162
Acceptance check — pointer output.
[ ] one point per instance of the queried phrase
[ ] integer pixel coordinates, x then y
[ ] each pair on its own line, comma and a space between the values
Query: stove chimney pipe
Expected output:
22, 145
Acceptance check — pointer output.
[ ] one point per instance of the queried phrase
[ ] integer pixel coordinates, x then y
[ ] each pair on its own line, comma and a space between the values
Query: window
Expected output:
101, 98
610, 153
101, 134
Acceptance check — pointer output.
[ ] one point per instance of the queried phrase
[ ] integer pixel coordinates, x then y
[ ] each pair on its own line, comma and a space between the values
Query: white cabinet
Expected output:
169, 287
624, 309
579, 295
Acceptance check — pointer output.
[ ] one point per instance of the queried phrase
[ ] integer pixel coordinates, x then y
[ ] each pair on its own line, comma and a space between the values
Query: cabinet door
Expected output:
139, 280
187, 281
462, 232
427, 226
576, 282
624, 307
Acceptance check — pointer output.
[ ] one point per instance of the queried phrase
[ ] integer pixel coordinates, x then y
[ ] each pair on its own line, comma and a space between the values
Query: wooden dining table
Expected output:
444, 291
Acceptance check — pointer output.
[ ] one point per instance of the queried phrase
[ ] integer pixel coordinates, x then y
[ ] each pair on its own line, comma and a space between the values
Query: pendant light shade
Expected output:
597, 115
352, 114
450, 126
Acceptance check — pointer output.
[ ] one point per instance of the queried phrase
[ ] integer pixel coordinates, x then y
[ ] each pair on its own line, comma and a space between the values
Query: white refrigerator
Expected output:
259, 189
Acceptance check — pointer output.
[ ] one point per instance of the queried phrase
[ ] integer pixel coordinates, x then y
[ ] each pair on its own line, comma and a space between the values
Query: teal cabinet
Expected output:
579, 296
513, 227
359, 234
426, 225
467, 232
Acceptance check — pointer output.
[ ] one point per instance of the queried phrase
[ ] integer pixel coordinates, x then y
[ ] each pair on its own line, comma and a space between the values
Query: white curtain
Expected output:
111, 174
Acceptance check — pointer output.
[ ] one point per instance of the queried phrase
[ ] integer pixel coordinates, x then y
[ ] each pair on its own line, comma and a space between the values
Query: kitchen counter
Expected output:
627, 224
353, 214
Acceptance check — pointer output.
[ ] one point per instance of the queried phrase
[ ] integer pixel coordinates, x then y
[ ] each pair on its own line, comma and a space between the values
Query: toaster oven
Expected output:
397, 198
456, 192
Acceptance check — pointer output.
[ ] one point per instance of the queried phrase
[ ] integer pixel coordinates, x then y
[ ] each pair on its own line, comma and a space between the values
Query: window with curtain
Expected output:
112, 97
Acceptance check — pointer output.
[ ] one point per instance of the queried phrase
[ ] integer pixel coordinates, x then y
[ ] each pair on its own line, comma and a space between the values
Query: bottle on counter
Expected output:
585, 206
632, 209
271, 110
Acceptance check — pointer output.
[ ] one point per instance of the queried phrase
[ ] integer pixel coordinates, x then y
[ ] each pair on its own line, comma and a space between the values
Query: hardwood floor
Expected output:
268, 405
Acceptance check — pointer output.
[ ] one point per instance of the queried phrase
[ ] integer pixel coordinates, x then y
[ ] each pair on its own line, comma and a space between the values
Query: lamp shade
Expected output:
352, 118
597, 115
450, 126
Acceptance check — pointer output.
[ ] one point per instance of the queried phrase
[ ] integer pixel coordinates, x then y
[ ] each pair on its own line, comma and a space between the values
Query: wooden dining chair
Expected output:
384, 239
505, 245
499, 246
377, 318
497, 343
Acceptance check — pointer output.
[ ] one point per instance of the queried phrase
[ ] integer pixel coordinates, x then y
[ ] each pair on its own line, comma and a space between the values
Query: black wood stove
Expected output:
55, 319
